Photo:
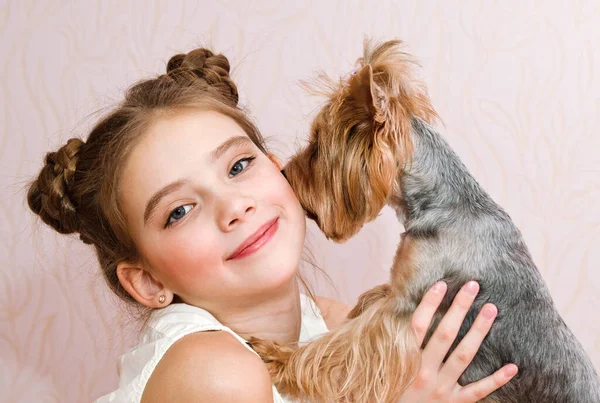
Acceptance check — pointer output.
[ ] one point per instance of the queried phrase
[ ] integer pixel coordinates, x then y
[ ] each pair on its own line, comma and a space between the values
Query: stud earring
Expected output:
162, 299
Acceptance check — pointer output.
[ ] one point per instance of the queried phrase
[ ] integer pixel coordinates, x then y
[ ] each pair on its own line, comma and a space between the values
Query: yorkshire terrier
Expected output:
373, 145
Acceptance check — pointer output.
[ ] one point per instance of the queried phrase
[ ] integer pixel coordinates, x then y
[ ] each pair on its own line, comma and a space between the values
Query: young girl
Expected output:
191, 217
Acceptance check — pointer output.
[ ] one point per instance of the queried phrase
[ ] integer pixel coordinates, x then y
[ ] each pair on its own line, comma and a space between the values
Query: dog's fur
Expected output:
372, 145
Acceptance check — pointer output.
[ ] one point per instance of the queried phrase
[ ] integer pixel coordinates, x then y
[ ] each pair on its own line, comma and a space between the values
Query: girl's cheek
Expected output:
278, 186
192, 257
289, 195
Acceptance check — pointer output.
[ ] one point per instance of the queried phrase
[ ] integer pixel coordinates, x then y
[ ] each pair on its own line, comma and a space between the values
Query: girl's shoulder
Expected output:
234, 372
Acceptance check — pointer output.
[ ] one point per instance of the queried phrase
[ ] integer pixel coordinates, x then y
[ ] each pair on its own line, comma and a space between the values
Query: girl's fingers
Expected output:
464, 353
421, 318
478, 390
445, 333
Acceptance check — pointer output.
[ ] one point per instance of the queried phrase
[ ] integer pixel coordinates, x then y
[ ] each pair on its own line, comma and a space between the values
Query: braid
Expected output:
209, 68
49, 195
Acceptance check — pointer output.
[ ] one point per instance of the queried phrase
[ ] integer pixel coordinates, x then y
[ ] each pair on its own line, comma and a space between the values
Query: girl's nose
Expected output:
233, 210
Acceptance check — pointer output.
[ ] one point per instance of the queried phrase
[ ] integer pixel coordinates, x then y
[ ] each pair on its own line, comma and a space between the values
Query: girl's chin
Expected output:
274, 282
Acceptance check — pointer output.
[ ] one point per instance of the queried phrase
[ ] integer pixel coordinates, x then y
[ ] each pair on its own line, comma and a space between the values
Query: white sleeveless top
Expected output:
169, 324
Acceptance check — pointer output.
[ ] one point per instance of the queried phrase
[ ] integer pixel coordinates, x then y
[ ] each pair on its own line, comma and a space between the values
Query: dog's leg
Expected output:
368, 298
403, 268
338, 366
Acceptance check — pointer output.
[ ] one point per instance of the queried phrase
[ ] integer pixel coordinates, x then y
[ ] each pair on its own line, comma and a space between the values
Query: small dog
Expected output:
372, 145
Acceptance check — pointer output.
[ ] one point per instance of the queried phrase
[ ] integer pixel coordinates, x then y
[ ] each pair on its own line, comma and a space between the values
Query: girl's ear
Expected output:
275, 161
143, 286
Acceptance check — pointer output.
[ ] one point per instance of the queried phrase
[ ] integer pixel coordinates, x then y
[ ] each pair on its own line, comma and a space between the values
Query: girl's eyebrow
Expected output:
157, 197
236, 142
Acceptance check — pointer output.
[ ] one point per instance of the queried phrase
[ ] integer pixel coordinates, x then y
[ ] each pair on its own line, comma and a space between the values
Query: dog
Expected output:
374, 144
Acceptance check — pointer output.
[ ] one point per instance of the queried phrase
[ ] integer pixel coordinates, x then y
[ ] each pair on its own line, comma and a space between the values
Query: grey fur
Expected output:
464, 235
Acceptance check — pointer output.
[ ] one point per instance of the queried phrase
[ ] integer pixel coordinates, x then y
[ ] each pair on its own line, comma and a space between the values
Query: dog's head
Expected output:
359, 141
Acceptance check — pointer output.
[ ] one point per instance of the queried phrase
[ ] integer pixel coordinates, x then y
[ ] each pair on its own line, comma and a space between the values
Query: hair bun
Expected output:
211, 68
49, 195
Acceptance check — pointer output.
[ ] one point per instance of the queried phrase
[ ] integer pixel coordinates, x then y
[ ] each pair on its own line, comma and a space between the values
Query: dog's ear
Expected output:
367, 95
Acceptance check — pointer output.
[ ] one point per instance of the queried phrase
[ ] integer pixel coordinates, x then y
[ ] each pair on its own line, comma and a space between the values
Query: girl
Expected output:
190, 217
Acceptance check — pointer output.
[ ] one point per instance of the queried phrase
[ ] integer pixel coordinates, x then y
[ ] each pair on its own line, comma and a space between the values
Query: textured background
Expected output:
515, 83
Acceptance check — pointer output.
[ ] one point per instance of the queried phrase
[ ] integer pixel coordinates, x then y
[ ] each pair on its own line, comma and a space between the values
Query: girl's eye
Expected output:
177, 214
239, 166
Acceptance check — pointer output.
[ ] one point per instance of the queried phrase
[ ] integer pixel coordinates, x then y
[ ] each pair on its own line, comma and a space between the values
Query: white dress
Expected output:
169, 324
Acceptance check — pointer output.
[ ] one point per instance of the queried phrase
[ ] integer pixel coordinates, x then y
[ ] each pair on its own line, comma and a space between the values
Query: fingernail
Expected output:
439, 287
489, 311
511, 370
472, 288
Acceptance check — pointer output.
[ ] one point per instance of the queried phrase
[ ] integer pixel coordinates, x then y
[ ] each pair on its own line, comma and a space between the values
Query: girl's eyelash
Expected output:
248, 159
169, 223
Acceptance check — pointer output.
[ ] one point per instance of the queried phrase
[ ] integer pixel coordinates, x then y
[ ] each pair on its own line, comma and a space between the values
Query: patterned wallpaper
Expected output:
515, 83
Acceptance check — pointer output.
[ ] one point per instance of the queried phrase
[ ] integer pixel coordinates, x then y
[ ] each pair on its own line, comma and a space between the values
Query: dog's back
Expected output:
463, 235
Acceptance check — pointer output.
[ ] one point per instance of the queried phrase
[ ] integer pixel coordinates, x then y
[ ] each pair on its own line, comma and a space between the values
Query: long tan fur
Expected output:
367, 124
372, 358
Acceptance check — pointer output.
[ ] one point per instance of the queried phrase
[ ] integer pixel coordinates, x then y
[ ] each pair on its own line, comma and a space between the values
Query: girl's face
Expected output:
212, 216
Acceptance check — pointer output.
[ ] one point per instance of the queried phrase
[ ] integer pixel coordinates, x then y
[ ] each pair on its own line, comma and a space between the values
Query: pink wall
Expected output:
516, 85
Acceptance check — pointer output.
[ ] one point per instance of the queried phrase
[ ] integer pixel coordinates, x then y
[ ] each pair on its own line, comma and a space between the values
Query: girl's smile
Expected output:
257, 240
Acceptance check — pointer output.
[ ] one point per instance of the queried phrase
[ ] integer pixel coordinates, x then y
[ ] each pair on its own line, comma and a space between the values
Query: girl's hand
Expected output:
437, 381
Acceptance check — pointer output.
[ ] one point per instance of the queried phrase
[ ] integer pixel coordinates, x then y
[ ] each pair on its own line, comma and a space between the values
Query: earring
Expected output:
162, 299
